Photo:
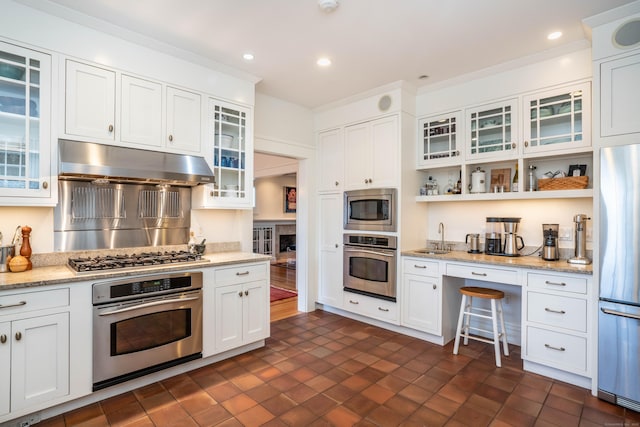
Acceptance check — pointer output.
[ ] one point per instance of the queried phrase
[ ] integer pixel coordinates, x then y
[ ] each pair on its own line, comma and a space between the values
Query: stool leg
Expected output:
456, 345
467, 310
496, 336
505, 345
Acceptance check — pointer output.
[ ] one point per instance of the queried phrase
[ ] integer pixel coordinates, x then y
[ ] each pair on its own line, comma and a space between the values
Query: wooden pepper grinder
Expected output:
25, 250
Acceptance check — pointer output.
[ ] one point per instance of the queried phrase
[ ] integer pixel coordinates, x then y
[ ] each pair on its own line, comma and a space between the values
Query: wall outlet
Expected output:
29, 421
565, 234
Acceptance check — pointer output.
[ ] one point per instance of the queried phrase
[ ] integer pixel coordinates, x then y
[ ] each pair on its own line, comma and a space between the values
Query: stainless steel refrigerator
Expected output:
619, 310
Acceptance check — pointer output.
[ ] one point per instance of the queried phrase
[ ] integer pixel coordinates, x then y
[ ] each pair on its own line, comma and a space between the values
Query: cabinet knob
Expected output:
211, 193
337, 183
513, 145
18, 336
337, 245
170, 138
526, 143
240, 294
3, 338
110, 128
435, 287
45, 185
246, 293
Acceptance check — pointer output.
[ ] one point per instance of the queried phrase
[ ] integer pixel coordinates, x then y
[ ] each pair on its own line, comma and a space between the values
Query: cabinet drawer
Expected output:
240, 274
420, 267
488, 274
30, 301
371, 307
557, 283
558, 311
557, 350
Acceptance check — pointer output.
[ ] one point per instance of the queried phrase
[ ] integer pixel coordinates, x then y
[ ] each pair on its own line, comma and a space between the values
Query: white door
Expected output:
141, 112
39, 360
422, 303
255, 311
184, 121
90, 101
384, 150
228, 315
620, 91
330, 161
330, 261
357, 156
5, 367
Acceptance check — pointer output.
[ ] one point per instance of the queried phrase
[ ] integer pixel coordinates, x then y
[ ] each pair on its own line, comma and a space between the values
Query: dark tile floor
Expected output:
320, 369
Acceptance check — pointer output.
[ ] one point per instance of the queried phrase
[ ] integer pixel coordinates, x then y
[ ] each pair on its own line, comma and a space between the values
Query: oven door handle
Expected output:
148, 304
364, 251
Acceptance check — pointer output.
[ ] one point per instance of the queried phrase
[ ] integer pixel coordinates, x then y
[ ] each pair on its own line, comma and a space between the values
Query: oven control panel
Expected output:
148, 285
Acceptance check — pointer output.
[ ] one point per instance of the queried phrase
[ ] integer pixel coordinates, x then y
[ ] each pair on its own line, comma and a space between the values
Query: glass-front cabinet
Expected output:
440, 141
230, 156
492, 130
558, 119
25, 99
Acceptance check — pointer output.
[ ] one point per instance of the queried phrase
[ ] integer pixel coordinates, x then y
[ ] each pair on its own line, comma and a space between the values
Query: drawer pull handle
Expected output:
419, 266
353, 302
244, 273
551, 310
3, 338
383, 309
555, 283
13, 305
473, 273
550, 347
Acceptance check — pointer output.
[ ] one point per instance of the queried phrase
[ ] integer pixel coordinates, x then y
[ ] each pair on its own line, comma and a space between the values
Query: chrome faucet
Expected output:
441, 232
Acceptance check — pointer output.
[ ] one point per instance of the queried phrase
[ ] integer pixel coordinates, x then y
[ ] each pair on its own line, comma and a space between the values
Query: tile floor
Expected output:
320, 369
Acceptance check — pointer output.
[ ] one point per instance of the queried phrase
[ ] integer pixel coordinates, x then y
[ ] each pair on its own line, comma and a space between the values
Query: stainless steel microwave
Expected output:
373, 209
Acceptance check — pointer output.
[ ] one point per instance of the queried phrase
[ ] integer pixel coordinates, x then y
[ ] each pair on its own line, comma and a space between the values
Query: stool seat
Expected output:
467, 310
474, 291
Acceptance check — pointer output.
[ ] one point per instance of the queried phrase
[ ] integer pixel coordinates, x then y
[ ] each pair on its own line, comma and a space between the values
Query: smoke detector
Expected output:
328, 5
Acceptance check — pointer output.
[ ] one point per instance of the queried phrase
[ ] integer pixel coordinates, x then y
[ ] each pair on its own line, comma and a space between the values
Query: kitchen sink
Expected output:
431, 251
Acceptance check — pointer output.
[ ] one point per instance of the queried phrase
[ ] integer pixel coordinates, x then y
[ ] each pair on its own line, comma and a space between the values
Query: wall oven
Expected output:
370, 265
371, 210
144, 324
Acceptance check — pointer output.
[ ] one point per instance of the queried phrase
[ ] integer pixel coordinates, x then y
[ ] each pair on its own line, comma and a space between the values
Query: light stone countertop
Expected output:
61, 274
533, 262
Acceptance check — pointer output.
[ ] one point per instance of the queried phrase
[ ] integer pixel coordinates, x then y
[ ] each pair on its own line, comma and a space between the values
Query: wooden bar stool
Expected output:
467, 309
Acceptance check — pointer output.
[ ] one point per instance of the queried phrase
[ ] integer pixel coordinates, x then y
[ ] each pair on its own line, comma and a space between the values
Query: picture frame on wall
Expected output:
290, 199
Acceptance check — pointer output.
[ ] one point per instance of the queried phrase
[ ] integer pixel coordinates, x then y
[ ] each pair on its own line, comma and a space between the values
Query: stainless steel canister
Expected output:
6, 252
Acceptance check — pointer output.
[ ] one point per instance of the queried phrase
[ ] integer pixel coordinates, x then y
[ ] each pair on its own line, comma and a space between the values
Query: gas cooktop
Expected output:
144, 259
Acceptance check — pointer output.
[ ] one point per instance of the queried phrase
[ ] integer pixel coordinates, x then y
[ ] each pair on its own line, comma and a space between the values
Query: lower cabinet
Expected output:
375, 308
241, 307
421, 296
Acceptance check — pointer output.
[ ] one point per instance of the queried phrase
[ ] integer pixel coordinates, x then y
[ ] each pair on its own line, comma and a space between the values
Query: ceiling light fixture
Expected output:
248, 56
328, 5
555, 35
323, 62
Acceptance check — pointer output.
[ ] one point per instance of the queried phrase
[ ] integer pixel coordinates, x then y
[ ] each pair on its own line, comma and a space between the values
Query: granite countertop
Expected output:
60, 274
533, 262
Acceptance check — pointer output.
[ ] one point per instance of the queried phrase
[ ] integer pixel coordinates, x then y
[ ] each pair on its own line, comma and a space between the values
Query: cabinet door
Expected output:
330, 161
330, 261
141, 112
90, 102
385, 149
619, 94
5, 367
492, 130
557, 119
25, 111
228, 317
255, 307
357, 156
183, 120
439, 142
39, 360
422, 308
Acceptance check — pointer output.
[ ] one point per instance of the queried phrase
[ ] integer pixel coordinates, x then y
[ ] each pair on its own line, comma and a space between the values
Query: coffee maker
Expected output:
511, 247
550, 242
493, 236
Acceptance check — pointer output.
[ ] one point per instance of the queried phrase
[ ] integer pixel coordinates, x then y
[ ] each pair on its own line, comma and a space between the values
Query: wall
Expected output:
270, 198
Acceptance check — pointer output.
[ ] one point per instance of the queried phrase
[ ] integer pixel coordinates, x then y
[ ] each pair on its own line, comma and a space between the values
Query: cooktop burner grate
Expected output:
145, 259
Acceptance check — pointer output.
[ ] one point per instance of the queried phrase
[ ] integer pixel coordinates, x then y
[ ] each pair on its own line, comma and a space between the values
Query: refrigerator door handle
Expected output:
619, 313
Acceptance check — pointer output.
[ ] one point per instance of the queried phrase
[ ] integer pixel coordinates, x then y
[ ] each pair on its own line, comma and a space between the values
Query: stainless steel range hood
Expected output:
85, 160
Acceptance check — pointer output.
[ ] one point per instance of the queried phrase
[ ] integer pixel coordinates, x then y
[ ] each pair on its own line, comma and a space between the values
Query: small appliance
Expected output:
580, 240
511, 247
473, 242
493, 236
478, 179
550, 242
372, 209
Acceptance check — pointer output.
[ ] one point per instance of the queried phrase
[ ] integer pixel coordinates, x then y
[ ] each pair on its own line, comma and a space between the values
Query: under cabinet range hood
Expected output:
90, 161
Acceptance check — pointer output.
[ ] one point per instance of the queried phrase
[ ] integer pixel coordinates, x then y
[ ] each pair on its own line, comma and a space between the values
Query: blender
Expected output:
493, 236
511, 247
550, 245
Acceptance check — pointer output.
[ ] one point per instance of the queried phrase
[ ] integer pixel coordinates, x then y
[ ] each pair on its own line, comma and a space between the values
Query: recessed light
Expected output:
555, 35
248, 56
323, 62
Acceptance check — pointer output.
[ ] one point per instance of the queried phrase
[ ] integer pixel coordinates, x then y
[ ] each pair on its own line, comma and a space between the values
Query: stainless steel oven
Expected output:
370, 265
371, 210
144, 324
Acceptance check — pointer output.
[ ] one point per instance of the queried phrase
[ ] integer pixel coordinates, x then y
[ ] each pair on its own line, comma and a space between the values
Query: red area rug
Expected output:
278, 293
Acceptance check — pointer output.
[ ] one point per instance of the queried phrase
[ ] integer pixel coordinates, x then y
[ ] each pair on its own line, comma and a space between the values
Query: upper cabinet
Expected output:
25, 127
372, 154
492, 130
619, 94
230, 154
439, 141
330, 161
111, 107
557, 119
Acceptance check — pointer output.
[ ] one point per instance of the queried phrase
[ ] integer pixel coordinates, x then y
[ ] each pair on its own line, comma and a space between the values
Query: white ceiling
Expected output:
370, 42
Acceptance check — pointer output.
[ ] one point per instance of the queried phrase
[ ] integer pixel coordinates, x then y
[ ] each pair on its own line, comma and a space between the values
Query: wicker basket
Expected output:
566, 183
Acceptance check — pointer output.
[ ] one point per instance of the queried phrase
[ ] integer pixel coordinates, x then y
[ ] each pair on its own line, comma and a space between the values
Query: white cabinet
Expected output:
372, 154
230, 154
241, 305
619, 94
492, 130
330, 160
184, 120
25, 127
141, 112
330, 257
421, 295
439, 140
34, 348
263, 236
375, 308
